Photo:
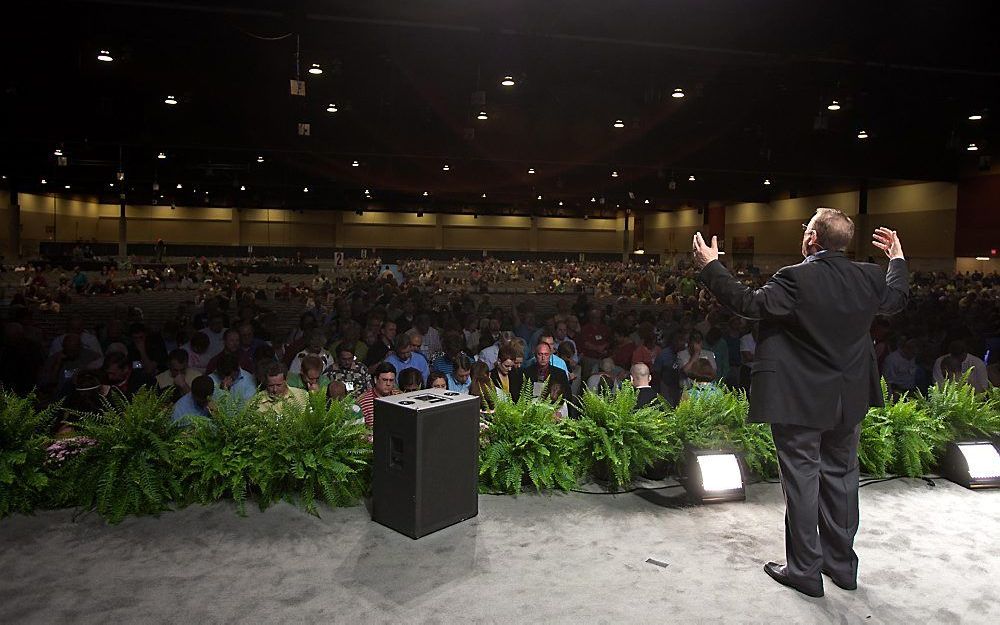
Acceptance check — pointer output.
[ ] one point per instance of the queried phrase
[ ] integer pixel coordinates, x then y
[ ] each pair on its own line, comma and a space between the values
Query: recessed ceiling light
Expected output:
531, 170
508, 81
445, 168
161, 156
614, 174
833, 106
975, 117
305, 189
619, 124
482, 115
315, 69
539, 197
67, 186
678, 93
647, 201
331, 108
355, 164
105, 56
862, 134
484, 196
767, 182
593, 199
243, 187
260, 159
691, 178
560, 203
44, 181
426, 193
58, 152
972, 147
111, 184
171, 100
180, 186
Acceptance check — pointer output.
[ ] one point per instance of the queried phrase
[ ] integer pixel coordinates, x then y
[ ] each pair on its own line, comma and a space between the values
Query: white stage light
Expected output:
714, 476
974, 464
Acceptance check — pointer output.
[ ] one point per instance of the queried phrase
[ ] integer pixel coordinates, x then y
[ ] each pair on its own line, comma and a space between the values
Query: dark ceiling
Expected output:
758, 77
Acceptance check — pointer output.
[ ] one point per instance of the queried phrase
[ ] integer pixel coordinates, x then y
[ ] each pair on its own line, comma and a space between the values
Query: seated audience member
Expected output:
607, 376
490, 353
147, 349
230, 345
311, 377
249, 343
481, 386
383, 385
437, 380
75, 326
264, 356
554, 359
452, 345
409, 380
230, 378
640, 378
198, 353
702, 376
215, 331
716, 343
959, 353
567, 352
57, 373
196, 401
542, 372
646, 350
623, 348
403, 357
383, 344
177, 376
89, 394
688, 356
123, 374
506, 375
336, 390
277, 393
315, 341
594, 342
993, 368
459, 380
348, 370
431, 337
900, 368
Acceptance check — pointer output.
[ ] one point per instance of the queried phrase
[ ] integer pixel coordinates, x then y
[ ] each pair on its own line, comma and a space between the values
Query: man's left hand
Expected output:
702, 253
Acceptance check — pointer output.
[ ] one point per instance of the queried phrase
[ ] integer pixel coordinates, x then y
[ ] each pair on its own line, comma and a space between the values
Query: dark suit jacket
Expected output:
555, 375
515, 379
645, 396
815, 363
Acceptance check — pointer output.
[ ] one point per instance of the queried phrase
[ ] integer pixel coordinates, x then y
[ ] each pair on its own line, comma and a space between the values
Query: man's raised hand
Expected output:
888, 241
703, 253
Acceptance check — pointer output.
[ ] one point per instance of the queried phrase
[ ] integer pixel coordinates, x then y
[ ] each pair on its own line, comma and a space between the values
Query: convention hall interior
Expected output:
224, 223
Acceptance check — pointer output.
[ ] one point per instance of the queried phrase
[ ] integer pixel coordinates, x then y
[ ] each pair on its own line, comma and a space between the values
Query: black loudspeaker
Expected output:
426, 472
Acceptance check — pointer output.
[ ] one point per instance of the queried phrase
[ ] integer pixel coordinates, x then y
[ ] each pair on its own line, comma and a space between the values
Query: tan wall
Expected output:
670, 233
965, 264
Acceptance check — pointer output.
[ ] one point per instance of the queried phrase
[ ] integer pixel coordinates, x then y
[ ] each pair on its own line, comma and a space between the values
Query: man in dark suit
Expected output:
813, 379
542, 371
640, 378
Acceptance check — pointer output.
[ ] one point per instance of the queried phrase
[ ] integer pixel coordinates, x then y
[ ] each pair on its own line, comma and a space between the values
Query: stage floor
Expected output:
928, 555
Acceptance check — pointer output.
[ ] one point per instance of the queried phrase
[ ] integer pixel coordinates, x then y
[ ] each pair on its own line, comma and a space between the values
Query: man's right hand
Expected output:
887, 241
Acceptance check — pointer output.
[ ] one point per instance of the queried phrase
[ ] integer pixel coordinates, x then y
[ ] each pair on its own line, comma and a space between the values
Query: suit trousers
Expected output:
819, 478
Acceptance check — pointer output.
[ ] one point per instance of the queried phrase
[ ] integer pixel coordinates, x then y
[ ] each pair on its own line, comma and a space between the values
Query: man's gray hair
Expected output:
834, 229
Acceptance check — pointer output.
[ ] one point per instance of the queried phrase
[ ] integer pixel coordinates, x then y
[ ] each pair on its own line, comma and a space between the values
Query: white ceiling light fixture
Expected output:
560, 203
243, 187
67, 186
315, 69
44, 181
691, 178
862, 134
305, 189
484, 196
331, 108
972, 147
647, 201
975, 117
678, 93
161, 156
111, 184
446, 168
170, 100
767, 182
260, 159
482, 115
180, 186
426, 193
593, 199
619, 124
833, 106
531, 170
539, 197
105, 56
58, 152
508, 81
614, 174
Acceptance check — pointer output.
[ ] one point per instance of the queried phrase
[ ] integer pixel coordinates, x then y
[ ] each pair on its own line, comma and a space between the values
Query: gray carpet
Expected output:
928, 555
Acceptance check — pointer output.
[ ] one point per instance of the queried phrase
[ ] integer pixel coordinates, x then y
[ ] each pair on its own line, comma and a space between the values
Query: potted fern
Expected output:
617, 440
523, 444
23, 453
902, 436
967, 414
130, 467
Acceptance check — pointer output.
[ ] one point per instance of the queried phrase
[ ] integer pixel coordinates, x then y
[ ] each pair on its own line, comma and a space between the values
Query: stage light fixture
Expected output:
508, 81
619, 123
678, 93
691, 178
105, 56
171, 100
767, 182
260, 159
833, 106
161, 156
972, 147
714, 475
972, 464
331, 108
315, 69
531, 170
482, 115
862, 134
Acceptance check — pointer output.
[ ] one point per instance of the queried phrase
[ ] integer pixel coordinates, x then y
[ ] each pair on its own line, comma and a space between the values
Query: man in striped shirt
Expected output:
384, 384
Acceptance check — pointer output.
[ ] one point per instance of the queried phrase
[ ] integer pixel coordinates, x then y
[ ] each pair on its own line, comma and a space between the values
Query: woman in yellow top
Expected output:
506, 374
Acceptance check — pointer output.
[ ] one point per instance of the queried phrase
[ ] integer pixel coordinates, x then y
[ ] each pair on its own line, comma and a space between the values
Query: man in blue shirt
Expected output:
403, 357
228, 377
195, 402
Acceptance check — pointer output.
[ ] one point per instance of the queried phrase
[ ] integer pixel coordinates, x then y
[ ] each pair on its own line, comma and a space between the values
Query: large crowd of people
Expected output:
367, 331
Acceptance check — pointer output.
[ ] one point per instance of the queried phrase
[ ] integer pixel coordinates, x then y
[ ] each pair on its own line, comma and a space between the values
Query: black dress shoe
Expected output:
778, 574
845, 585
